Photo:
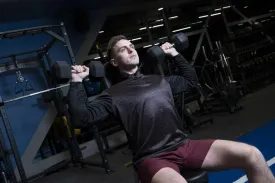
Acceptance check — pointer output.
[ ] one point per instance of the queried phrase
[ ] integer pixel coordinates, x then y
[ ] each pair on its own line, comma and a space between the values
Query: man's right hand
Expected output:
79, 73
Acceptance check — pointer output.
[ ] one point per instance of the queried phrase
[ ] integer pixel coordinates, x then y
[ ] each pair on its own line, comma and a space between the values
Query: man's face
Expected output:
125, 55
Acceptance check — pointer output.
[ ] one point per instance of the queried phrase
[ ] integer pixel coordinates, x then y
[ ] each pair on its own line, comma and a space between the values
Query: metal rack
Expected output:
16, 65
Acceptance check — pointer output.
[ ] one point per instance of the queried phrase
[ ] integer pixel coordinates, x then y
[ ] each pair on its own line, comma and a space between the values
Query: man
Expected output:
145, 107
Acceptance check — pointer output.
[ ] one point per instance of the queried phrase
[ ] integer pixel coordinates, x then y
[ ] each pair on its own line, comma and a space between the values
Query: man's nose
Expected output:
130, 50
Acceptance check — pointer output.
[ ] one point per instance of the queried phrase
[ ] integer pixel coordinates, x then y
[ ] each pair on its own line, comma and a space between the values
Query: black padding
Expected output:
111, 73
96, 69
195, 176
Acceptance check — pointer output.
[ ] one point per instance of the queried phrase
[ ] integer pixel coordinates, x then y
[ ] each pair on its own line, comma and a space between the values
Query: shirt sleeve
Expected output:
186, 78
84, 111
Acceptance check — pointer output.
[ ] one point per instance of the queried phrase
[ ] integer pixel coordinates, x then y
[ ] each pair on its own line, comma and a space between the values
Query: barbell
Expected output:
61, 72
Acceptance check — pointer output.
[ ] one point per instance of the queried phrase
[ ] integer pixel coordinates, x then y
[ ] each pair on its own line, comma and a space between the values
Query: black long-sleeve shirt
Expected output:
143, 104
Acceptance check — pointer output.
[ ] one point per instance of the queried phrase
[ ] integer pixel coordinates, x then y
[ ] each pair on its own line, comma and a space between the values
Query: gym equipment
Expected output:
224, 87
33, 61
180, 42
61, 70
96, 70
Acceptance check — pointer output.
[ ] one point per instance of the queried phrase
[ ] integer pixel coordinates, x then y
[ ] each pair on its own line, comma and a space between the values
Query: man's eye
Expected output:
122, 49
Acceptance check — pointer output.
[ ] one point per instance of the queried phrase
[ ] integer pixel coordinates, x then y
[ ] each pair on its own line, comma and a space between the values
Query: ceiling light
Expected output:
160, 9
196, 23
215, 14
203, 16
245, 7
143, 28
156, 44
218, 9
160, 20
226, 7
135, 39
101, 32
270, 11
174, 17
163, 38
155, 26
181, 29
96, 58
147, 46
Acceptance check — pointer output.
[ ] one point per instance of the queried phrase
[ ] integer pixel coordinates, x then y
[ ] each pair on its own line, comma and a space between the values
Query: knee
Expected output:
253, 155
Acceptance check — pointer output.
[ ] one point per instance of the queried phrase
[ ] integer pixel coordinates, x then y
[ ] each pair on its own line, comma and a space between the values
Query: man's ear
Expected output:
114, 63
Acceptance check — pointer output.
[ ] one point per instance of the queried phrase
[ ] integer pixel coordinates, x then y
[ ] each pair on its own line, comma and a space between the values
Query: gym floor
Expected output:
258, 110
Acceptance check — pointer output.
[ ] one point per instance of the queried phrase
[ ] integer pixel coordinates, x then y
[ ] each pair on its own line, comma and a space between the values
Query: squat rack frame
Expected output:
27, 63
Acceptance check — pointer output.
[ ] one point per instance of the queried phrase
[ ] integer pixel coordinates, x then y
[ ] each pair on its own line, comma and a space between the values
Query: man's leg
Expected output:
224, 155
160, 170
165, 175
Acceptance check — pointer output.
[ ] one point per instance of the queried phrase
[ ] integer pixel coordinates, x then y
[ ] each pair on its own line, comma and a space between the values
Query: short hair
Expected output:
112, 43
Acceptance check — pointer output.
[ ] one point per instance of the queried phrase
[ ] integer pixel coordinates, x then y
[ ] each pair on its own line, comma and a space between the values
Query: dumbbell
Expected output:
61, 71
180, 42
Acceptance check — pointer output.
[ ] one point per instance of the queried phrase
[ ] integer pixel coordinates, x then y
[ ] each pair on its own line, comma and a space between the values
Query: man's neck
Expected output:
130, 71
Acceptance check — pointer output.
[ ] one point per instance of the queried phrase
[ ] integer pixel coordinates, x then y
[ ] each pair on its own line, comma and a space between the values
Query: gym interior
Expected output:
229, 43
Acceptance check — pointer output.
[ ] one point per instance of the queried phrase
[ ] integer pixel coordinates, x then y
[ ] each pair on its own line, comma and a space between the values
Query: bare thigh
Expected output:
224, 155
168, 175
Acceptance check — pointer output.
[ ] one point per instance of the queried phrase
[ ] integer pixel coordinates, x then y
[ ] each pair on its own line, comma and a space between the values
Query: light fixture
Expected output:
245, 7
156, 44
215, 14
143, 28
96, 58
185, 28
225, 7
135, 39
203, 16
147, 46
101, 32
155, 26
159, 20
163, 38
196, 23
174, 17
160, 9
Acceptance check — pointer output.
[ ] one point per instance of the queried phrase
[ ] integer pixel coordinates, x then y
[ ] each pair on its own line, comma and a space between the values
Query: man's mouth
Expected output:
132, 56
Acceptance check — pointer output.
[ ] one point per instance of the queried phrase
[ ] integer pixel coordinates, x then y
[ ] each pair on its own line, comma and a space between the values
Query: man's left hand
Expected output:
169, 49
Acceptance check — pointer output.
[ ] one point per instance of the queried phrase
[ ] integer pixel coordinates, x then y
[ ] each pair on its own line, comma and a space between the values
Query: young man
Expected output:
145, 107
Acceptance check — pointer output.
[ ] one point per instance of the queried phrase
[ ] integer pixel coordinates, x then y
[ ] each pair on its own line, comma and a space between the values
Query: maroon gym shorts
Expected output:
190, 155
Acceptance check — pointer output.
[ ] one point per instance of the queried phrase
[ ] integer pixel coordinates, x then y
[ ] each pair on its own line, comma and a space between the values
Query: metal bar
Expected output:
48, 46
238, 12
6, 158
36, 93
18, 54
166, 24
197, 48
49, 60
250, 19
195, 55
226, 22
105, 163
13, 146
26, 31
56, 36
28, 63
209, 40
147, 28
68, 44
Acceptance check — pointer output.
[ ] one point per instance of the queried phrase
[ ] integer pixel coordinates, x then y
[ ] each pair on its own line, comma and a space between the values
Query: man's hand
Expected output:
169, 49
79, 73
